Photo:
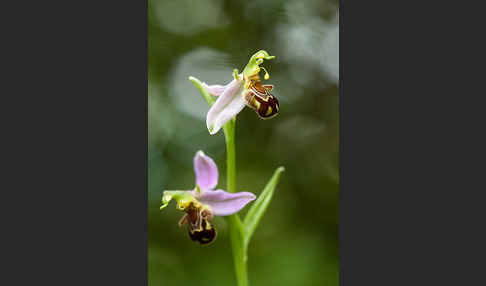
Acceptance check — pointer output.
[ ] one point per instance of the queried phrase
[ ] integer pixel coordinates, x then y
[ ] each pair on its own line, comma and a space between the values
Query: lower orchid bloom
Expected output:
203, 202
245, 89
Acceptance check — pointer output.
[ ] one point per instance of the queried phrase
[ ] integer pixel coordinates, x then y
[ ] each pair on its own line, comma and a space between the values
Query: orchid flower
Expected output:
204, 202
245, 89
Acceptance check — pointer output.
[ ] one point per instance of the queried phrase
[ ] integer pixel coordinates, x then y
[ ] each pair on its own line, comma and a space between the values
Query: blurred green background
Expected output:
296, 243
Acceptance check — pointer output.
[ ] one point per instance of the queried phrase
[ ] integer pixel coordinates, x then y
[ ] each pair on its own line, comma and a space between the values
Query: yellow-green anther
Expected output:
267, 75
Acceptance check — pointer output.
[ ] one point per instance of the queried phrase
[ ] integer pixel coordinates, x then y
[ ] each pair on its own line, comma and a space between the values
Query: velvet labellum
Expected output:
259, 98
199, 227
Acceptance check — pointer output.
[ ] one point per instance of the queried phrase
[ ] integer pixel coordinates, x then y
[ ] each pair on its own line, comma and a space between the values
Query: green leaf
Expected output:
258, 208
202, 90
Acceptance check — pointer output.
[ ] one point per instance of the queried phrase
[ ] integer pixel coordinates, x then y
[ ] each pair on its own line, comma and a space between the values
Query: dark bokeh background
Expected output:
296, 242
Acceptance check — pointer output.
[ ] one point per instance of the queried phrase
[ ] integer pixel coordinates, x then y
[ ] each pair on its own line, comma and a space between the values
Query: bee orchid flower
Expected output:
246, 89
204, 202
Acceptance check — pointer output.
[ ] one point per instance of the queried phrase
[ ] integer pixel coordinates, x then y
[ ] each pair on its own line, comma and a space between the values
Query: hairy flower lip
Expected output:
264, 103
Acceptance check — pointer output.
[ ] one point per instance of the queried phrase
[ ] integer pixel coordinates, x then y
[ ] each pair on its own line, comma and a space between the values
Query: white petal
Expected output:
227, 106
215, 89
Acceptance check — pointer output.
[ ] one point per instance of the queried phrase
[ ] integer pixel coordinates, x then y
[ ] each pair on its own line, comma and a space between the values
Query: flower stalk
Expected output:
229, 135
237, 235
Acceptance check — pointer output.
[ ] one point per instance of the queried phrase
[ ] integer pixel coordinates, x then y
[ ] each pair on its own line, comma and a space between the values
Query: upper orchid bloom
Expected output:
245, 89
203, 202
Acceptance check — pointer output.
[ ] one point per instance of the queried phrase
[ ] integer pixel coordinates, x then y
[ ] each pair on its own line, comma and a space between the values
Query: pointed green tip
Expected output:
280, 169
235, 74
262, 54
205, 94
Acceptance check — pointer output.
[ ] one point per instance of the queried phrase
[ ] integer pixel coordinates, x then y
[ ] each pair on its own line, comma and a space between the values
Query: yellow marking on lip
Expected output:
269, 111
208, 225
256, 103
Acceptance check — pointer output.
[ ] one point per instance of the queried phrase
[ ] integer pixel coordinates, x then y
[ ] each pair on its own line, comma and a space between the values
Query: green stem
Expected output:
229, 135
236, 230
235, 226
